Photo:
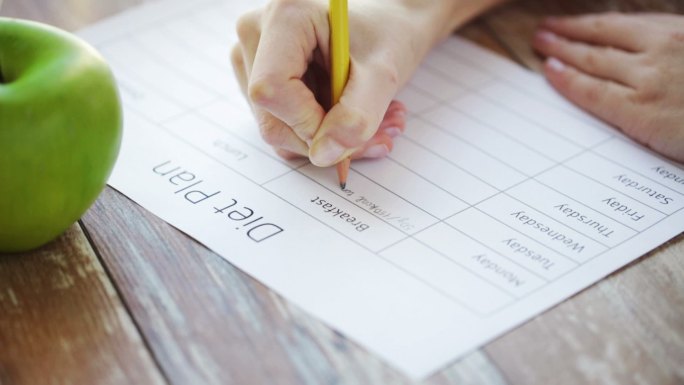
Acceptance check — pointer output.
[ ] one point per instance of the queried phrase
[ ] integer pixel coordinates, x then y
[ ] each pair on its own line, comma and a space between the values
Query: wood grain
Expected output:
204, 321
61, 320
628, 328
207, 322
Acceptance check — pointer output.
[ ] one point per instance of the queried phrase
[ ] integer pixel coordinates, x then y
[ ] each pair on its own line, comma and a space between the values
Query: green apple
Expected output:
60, 131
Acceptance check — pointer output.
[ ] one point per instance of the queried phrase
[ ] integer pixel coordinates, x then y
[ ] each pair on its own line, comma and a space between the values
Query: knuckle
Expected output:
669, 42
247, 26
261, 92
599, 23
355, 128
591, 60
646, 60
650, 88
271, 131
609, 52
391, 75
597, 59
236, 56
386, 71
676, 38
593, 93
647, 95
303, 126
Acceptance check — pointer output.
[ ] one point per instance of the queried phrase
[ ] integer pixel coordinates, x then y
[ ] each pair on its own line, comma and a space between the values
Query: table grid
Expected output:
194, 95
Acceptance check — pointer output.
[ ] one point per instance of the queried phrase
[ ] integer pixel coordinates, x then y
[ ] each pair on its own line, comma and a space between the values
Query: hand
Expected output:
282, 65
627, 69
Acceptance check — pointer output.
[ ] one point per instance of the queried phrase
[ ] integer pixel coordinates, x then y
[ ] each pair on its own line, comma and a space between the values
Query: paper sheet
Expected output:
500, 200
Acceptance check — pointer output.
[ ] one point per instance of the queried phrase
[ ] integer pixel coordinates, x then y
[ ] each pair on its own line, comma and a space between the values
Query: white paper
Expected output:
500, 201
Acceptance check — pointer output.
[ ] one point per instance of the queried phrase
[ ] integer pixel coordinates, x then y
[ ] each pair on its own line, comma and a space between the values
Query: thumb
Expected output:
356, 117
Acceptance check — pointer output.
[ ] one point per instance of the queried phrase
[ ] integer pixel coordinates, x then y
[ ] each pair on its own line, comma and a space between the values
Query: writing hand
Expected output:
282, 64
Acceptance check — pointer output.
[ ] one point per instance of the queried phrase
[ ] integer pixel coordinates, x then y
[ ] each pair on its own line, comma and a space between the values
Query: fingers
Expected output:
248, 31
608, 29
287, 155
394, 121
239, 68
278, 134
242, 55
381, 144
281, 78
392, 125
605, 99
355, 119
273, 130
604, 62
275, 83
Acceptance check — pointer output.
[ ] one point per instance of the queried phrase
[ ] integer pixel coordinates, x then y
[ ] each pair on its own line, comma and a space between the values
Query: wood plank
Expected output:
207, 322
251, 335
478, 32
626, 329
210, 323
62, 321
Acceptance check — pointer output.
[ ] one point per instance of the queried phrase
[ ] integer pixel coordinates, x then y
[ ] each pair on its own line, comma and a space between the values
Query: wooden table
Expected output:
124, 298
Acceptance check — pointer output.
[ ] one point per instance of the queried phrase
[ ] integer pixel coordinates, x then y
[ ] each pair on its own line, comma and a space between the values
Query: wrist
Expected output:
437, 19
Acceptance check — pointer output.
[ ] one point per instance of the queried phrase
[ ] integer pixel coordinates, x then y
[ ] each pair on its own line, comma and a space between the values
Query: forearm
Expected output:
409, 29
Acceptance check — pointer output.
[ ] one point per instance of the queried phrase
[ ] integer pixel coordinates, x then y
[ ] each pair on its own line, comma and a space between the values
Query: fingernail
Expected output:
546, 36
326, 151
392, 132
555, 64
376, 151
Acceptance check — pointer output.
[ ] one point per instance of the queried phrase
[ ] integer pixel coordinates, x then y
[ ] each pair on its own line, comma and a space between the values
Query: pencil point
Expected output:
343, 172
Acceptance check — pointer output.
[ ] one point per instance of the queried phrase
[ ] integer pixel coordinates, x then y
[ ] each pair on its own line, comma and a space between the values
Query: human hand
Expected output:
627, 69
282, 64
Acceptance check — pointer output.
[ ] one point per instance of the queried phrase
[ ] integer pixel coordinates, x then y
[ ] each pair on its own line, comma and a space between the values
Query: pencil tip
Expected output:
343, 185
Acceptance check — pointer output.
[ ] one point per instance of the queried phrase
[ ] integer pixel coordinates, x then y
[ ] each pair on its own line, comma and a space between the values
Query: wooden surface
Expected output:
124, 298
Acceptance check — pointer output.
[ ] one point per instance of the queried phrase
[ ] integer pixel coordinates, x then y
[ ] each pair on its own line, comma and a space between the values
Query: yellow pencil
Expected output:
339, 65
